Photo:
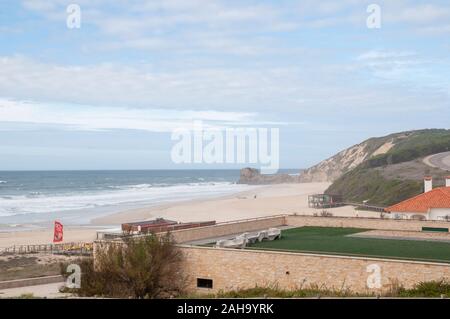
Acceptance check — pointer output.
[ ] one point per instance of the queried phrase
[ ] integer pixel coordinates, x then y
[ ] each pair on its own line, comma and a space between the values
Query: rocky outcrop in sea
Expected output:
253, 176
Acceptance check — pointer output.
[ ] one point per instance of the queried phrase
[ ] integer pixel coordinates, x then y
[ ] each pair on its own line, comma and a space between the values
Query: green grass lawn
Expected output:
331, 240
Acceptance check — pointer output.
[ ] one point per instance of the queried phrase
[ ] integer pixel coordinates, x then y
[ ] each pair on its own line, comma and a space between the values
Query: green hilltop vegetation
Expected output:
412, 145
396, 175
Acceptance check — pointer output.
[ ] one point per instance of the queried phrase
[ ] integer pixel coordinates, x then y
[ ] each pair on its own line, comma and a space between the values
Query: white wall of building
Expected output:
439, 213
428, 185
433, 214
405, 215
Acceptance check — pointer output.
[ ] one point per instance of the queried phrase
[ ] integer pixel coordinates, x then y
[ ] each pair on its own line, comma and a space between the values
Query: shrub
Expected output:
325, 213
427, 289
273, 291
143, 267
431, 289
360, 184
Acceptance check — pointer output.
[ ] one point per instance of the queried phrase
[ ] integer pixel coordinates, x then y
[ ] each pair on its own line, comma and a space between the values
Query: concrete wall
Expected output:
236, 227
30, 282
368, 223
240, 226
223, 229
234, 268
199, 233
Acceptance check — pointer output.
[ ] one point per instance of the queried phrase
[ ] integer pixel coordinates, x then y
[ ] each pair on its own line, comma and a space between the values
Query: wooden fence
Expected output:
80, 248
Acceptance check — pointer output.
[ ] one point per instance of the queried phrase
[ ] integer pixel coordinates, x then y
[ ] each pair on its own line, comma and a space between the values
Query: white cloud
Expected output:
40, 5
375, 55
141, 86
82, 117
220, 54
423, 13
264, 92
393, 65
180, 25
429, 18
436, 30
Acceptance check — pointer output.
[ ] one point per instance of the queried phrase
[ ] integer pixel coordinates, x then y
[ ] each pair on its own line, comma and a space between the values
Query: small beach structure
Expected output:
324, 201
147, 225
161, 225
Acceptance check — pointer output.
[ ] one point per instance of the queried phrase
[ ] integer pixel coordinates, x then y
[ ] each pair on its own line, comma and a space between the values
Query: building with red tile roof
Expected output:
433, 204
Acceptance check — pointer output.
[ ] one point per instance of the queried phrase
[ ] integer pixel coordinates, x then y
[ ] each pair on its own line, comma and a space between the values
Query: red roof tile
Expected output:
436, 198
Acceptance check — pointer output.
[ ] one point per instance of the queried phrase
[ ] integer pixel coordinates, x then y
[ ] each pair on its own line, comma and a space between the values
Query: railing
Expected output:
252, 219
171, 228
367, 217
124, 235
368, 207
80, 248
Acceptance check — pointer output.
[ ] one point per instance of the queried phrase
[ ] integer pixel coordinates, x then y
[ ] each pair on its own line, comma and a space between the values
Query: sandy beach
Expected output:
261, 201
45, 236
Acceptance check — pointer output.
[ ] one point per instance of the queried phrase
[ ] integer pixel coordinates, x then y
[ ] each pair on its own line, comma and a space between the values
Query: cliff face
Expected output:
334, 167
379, 153
254, 177
394, 171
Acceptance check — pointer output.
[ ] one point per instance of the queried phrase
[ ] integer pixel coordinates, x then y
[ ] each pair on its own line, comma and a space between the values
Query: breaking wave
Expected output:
115, 195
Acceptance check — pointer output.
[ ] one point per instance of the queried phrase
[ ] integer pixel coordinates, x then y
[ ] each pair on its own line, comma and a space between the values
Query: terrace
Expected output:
351, 242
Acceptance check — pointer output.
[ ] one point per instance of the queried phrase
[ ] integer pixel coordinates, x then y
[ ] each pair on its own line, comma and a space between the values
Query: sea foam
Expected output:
118, 195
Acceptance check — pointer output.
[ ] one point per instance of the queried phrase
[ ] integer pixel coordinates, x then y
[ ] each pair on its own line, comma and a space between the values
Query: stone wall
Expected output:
233, 269
368, 223
236, 227
396, 234
214, 231
31, 282
230, 228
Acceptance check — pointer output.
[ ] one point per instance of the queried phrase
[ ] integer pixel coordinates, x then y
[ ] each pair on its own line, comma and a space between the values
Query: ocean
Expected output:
76, 197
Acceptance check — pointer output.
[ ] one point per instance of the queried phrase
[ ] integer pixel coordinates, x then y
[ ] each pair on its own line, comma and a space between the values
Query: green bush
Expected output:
144, 267
369, 185
419, 144
275, 292
428, 289
431, 289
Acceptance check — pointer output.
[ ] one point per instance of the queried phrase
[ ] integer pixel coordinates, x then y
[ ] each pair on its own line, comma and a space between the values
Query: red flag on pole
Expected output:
58, 234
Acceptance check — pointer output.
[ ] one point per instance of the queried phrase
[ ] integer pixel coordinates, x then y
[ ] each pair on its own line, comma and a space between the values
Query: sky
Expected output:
109, 94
